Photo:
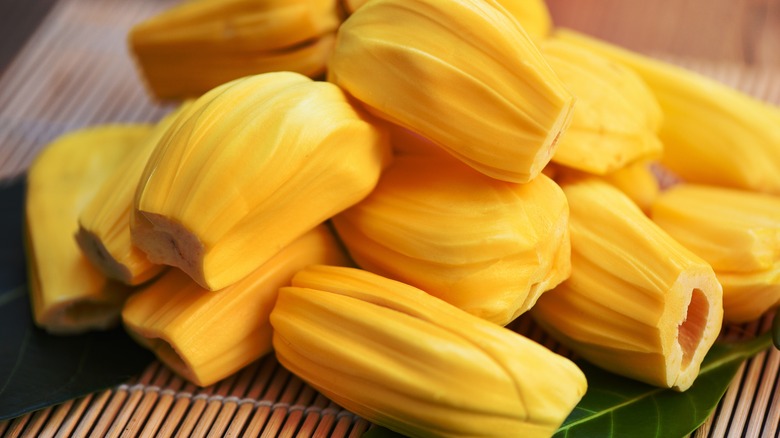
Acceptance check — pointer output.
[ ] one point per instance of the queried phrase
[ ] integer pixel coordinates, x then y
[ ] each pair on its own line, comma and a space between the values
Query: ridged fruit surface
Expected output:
737, 232
258, 162
617, 117
200, 44
401, 358
463, 74
205, 336
104, 224
68, 294
486, 246
712, 134
638, 303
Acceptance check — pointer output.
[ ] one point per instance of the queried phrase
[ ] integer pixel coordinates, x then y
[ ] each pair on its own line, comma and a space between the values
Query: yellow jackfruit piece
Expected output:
198, 45
749, 295
712, 134
258, 162
533, 15
638, 181
638, 303
68, 295
406, 360
617, 117
104, 224
486, 246
463, 74
205, 336
737, 232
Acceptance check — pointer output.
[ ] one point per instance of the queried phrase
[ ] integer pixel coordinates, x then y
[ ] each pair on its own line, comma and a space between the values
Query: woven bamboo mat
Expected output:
76, 71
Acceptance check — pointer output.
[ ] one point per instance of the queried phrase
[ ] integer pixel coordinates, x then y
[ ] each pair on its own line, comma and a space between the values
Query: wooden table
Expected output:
75, 71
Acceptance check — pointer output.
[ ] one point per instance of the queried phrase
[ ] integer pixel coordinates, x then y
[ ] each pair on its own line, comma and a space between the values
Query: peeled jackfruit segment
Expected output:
639, 182
205, 336
463, 74
533, 15
406, 360
617, 117
749, 295
256, 163
104, 224
637, 303
198, 45
735, 231
68, 295
182, 76
712, 134
486, 246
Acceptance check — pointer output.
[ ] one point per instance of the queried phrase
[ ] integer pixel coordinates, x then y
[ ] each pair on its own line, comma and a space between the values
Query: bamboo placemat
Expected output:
76, 71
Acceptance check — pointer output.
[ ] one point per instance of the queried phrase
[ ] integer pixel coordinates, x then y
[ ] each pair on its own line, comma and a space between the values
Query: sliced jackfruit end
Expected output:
225, 188
68, 295
104, 223
637, 302
738, 233
205, 336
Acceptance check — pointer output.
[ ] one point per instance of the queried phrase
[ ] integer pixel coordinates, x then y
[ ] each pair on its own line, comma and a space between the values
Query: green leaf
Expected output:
616, 406
38, 369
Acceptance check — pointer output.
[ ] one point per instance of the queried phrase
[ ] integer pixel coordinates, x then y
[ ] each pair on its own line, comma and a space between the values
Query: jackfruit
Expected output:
68, 295
637, 303
737, 232
205, 336
463, 73
712, 134
486, 246
198, 45
258, 162
406, 360
617, 117
104, 224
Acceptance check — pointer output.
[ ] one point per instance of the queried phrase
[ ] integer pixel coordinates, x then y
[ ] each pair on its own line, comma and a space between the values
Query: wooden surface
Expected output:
76, 71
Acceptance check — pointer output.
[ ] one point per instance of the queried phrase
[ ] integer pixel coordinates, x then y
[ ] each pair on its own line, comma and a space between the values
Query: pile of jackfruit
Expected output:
373, 190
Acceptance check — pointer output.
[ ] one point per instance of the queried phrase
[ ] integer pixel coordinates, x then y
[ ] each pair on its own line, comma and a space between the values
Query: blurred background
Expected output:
740, 31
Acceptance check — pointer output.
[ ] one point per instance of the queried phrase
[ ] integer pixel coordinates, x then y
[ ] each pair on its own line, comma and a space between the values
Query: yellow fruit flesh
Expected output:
463, 74
205, 336
104, 224
198, 45
637, 303
737, 232
486, 246
224, 190
617, 117
713, 134
68, 295
378, 348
